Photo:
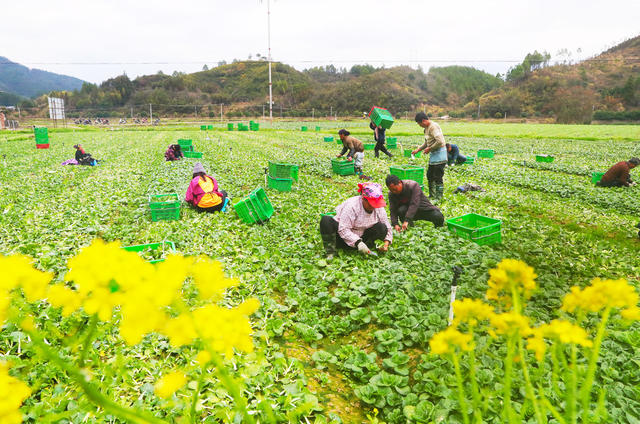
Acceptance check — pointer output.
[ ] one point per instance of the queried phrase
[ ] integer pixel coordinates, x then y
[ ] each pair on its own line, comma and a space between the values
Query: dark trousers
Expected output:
435, 173
215, 208
329, 227
460, 160
614, 183
380, 147
432, 215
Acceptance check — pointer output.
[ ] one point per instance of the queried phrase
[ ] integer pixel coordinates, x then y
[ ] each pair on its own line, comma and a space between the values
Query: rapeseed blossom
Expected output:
447, 340
169, 384
509, 275
470, 311
560, 330
603, 294
508, 324
12, 393
17, 272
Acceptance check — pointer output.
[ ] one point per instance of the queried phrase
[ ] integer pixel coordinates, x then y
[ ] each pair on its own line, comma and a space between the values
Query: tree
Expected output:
205, 67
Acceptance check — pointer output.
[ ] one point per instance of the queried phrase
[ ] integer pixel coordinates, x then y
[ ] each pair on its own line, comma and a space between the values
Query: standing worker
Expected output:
379, 137
618, 174
453, 155
434, 144
408, 203
350, 144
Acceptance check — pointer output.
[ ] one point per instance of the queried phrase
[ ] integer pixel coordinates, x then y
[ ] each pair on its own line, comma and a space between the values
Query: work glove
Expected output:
363, 248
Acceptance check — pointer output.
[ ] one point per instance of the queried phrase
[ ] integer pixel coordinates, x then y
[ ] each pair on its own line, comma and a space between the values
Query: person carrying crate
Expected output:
174, 152
453, 155
434, 144
350, 144
358, 223
407, 203
618, 175
203, 192
379, 137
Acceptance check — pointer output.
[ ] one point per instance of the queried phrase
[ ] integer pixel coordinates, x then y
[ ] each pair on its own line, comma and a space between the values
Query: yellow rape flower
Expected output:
210, 280
470, 311
12, 393
602, 294
560, 330
61, 296
537, 344
447, 340
169, 384
508, 275
17, 271
509, 323
203, 358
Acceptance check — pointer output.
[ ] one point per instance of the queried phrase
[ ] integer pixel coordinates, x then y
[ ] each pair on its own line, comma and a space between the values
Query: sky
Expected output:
97, 39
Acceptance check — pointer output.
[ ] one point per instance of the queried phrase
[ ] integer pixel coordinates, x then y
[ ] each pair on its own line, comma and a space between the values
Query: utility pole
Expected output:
220, 112
313, 113
150, 113
263, 112
269, 46
281, 110
478, 108
132, 113
19, 116
195, 109
331, 112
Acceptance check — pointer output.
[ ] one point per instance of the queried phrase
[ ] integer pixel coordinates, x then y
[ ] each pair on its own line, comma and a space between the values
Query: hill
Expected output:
22, 81
608, 84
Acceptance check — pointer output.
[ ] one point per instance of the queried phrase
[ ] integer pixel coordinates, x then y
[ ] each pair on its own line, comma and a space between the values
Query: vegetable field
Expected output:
339, 341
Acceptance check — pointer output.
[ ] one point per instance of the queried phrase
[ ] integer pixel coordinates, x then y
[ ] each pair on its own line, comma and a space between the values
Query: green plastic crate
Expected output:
328, 214
381, 117
283, 170
317, 128
342, 167
255, 207
164, 247
185, 142
203, 127
408, 172
369, 146
42, 135
544, 158
242, 127
470, 160
254, 126
407, 154
392, 142
486, 153
303, 128
209, 127
230, 126
164, 207
479, 229
328, 139
596, 176
338, 141
280, 184
187, 149
192, 155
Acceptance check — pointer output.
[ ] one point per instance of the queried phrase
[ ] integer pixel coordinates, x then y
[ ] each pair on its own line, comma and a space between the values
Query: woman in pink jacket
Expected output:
203, 192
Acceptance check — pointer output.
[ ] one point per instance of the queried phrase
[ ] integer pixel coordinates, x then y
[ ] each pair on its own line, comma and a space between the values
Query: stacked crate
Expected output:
282, 175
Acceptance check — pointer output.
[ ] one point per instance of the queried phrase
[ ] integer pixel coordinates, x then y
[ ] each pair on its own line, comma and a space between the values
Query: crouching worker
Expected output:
82, 157
408, 203
618, 174
174, 152
358, 223
203, 192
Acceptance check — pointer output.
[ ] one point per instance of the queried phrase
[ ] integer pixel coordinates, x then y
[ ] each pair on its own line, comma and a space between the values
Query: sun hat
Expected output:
373, 193
198, 168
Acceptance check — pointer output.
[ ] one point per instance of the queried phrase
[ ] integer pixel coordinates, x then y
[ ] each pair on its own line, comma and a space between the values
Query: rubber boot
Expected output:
439, 192
432, 189
329, 243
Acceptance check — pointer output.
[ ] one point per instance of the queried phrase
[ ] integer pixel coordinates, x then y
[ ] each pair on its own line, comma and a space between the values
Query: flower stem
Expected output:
93, 324
585, 391
508, 365
475, 394
196, 396
527, 379
461, 400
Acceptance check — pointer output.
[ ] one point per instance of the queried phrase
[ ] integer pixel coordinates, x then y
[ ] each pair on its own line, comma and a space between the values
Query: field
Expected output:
345, 340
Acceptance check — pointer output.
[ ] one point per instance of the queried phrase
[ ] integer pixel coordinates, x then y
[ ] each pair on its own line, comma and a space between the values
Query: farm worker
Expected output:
379, 137
82, 157
203, 192
434, 144
174, 152
350, 144
408, 203
453, 155
618, 174
358, 223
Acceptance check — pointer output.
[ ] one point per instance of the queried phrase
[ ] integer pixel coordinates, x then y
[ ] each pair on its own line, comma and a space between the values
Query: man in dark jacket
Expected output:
408, 203
453, 155
618, 174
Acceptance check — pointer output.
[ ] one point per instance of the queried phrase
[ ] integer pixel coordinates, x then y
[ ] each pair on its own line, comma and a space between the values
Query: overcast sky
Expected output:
76, 37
